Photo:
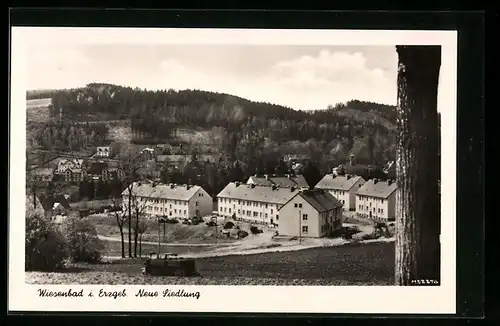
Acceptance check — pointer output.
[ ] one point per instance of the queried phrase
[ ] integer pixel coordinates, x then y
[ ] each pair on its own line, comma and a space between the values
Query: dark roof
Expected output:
319, 199
297, 181
338, 182
380, 189
48, 202
96, 168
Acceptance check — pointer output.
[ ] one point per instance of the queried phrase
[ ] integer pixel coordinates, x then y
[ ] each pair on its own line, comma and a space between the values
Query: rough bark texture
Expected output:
418, 211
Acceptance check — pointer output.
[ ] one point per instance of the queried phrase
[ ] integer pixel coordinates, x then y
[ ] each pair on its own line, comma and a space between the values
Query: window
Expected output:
304, 217
271, 211
300, 205
239, 212
381, 211
266, 205
225, 209
277, 217
295, 205
184, 212
374, 209
175, 211
239, 202
243, 212
304, 229
221, 209
266, 215
196, 203
230, 211
170, 205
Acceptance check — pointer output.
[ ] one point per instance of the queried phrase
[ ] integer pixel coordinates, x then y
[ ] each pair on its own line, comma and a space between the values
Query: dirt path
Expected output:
114, 239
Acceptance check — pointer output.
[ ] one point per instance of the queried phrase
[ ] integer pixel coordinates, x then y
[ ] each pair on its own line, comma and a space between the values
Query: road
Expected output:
102, 237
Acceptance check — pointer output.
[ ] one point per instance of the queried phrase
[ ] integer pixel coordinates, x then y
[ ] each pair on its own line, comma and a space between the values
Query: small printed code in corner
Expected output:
424, 282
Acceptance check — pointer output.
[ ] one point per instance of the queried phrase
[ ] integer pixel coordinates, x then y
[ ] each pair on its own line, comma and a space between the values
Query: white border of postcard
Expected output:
253, 299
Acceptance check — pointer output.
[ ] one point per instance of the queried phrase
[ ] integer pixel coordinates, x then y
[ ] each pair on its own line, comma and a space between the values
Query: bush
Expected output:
242, 234
210, 223
228, 225
83, 243
45, 246
370, 236
255, 230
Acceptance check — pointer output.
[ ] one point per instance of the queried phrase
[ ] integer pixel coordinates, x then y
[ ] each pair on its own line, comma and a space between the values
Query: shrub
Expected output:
44, 244
255, 230
210, 223
370, 236
242, 234
228, 225
83, 243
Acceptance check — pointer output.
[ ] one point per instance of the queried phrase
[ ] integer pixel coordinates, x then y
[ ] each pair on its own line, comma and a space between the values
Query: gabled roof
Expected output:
263, 194
97, 168
178, 192
380, 189
319, 199
340, 182
48, 202
297, 181
43, 171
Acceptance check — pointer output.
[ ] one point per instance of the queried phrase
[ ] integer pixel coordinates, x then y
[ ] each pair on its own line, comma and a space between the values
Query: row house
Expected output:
310, 213
342, 187
253, 203
376, 200
286, 181
168, 200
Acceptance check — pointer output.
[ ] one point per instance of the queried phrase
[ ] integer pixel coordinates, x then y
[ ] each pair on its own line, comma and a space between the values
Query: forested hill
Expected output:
363, 128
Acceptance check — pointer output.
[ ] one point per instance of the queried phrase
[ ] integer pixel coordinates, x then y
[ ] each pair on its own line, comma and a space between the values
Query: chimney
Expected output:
348, 176
274, 187
351, 159
389, 182
188, 186
237, 183
252, 186
266, 176
334, 176
172, 186
375, 181
292, 189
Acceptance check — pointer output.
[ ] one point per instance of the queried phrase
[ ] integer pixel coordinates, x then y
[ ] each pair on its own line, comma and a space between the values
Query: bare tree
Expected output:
141, 228
418, 166
121, 217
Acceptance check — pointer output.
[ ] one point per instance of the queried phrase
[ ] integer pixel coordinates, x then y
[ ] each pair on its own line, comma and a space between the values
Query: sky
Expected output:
303, 77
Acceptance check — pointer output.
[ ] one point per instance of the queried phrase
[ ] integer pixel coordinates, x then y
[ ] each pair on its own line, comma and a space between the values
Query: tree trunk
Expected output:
140, 245
136, 233
418, 167
122, 237
130, 222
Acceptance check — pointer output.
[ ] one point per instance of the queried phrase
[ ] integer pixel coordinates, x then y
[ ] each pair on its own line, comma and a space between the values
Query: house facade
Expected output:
342, 187
172, 201
43, 174
65, 164
253, 203
103, 151
310, 213
376, 200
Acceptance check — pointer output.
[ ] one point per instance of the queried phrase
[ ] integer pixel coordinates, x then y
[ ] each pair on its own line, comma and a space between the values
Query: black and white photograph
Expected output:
145, 164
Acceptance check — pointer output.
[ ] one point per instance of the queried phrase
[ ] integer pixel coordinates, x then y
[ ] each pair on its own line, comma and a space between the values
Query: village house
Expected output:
286, 181
377, 200
101, 171
54, 205
310, 213
253, 203
103, 151
75, 174
168, 200
65, 164
42, 175
342, 187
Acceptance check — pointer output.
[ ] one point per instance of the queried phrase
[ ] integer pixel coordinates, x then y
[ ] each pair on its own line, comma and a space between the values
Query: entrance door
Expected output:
370, 214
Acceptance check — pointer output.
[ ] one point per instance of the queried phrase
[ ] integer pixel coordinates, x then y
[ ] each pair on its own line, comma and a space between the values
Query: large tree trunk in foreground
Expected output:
418, 209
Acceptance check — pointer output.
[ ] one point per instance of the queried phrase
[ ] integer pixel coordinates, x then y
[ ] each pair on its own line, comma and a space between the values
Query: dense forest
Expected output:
249, 137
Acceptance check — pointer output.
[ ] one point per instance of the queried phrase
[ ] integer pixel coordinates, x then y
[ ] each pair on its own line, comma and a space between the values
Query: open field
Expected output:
353, 264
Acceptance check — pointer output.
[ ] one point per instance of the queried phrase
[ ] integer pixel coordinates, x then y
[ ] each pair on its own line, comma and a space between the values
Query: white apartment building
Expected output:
310, 213
342, 187
376, 200
253, 203
172, 201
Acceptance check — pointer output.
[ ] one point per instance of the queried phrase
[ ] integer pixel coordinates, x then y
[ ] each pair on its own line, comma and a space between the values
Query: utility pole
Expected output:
300, 227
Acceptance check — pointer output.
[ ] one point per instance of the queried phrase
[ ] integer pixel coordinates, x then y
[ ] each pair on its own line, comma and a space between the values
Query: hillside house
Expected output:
342, 187
286, 181
75, 174
377, 200
253, 203
168, 200
310, 213
103, 151
54, 205
42, 175
65, 164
